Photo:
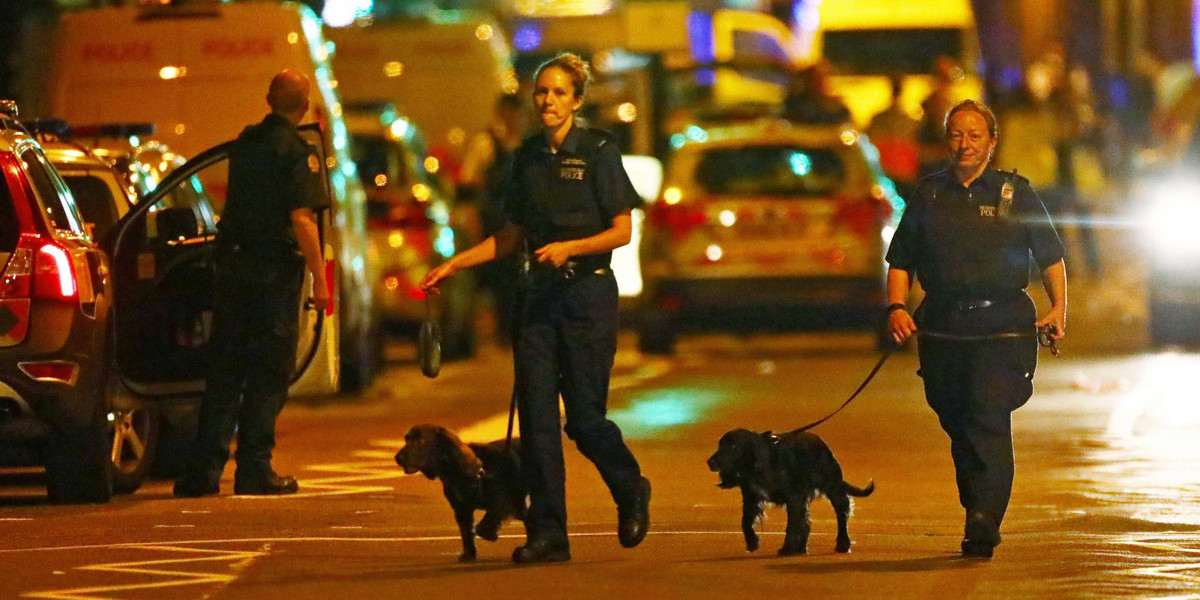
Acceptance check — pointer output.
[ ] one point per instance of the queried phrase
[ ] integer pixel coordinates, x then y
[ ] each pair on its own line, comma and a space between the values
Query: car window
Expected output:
10, 230
57, 201
190, 194
94, 199
783, 170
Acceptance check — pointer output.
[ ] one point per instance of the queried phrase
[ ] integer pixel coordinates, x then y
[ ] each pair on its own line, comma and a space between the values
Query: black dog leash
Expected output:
1045, 337
879, 365
1044, 334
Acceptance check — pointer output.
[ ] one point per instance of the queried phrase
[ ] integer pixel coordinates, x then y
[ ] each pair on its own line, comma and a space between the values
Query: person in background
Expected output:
485, 169
894, 133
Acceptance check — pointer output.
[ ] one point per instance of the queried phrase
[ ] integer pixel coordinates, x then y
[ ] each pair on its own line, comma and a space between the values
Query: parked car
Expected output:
409, 222
108, 175
766, 224
55, 296
217, 58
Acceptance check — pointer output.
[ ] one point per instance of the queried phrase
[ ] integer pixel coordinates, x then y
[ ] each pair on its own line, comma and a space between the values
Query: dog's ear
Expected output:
762, 450
461, 456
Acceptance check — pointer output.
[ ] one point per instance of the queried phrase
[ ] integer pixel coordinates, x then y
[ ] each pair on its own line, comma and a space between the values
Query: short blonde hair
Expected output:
575, 67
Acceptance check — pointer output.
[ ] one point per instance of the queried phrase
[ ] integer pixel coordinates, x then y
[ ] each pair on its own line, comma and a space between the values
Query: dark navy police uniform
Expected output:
972, 257
567, 334
256, 302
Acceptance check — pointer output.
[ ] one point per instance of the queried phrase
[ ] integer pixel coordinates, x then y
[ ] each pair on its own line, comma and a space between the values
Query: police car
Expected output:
55, 299
766, 224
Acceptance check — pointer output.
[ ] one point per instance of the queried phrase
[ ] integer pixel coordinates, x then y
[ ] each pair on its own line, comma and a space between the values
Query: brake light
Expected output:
38, 268
679, 218
864, 217
53, 275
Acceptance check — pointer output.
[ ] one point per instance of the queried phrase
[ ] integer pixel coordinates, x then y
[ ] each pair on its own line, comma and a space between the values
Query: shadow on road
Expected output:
908, 565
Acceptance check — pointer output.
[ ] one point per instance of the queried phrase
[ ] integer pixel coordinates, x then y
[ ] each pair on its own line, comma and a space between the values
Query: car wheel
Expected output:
656, 335
133, 433
77, 465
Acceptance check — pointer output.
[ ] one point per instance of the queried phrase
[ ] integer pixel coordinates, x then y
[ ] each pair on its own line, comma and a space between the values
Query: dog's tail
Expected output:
860, 493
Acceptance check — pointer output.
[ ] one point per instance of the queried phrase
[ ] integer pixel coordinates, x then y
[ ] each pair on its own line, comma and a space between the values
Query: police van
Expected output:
866, 41
444, 71
199, 71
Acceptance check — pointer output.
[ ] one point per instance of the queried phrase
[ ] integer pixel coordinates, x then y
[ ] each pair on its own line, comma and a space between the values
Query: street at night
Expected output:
1105, 501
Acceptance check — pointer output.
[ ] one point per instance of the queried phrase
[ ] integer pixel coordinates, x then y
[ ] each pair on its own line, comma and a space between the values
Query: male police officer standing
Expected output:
268, 233
569, 200
968, 234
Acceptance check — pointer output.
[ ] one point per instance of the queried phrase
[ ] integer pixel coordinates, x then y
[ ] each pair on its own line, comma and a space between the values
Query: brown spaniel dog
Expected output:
474, 477
790, 469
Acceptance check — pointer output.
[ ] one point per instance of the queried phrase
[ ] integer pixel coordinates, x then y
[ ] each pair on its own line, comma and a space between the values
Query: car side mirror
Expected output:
177, 222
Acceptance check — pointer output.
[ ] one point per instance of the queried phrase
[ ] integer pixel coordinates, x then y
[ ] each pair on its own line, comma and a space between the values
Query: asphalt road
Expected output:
1106, 503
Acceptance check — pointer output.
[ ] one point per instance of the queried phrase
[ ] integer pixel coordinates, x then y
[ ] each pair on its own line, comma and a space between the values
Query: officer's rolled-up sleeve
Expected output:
305, 189
902, 253
1043, 240
615, 190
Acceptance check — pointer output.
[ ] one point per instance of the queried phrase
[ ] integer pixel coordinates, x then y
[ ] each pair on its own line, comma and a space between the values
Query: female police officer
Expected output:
568, 201
968, 234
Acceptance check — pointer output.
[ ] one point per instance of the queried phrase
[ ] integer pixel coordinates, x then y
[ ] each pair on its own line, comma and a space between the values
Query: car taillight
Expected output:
39, 268
864, 216
18, 273
53, 273
680, 219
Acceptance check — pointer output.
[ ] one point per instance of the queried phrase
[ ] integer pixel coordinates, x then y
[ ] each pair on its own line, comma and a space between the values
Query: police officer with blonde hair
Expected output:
968, 235
266, 238
568, 204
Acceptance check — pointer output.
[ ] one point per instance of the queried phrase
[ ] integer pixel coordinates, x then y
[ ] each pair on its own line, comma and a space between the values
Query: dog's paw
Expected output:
843, 546
792, 551
487, 532
466, 557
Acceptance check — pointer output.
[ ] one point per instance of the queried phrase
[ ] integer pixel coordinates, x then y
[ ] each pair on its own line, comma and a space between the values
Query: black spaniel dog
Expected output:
789, 469
474, 477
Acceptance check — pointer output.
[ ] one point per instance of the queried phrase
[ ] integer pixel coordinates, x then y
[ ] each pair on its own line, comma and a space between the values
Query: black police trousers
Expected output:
252, 357
566, 343
974, 386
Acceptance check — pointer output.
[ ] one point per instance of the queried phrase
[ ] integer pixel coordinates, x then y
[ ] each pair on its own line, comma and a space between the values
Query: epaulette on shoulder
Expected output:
601, 136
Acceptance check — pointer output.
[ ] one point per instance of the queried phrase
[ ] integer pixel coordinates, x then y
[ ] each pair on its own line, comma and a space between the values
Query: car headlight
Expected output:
1171, 223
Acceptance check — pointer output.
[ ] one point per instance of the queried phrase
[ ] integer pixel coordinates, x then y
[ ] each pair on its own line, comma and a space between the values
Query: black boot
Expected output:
633, 519
541, 551
981, 535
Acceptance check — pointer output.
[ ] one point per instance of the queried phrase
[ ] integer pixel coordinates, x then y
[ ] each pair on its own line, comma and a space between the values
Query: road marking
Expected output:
235, 558
16, 519
352, 478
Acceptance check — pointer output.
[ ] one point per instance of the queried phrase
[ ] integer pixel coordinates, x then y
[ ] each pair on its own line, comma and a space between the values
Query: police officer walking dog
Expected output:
268, 233
968, 235
568, 200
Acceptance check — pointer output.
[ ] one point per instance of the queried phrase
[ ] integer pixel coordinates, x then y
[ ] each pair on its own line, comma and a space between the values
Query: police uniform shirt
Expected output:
270, 175
962, 245
572, 194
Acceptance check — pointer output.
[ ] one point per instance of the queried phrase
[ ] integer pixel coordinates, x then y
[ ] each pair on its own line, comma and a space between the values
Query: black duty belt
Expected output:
568, 271
959, 303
